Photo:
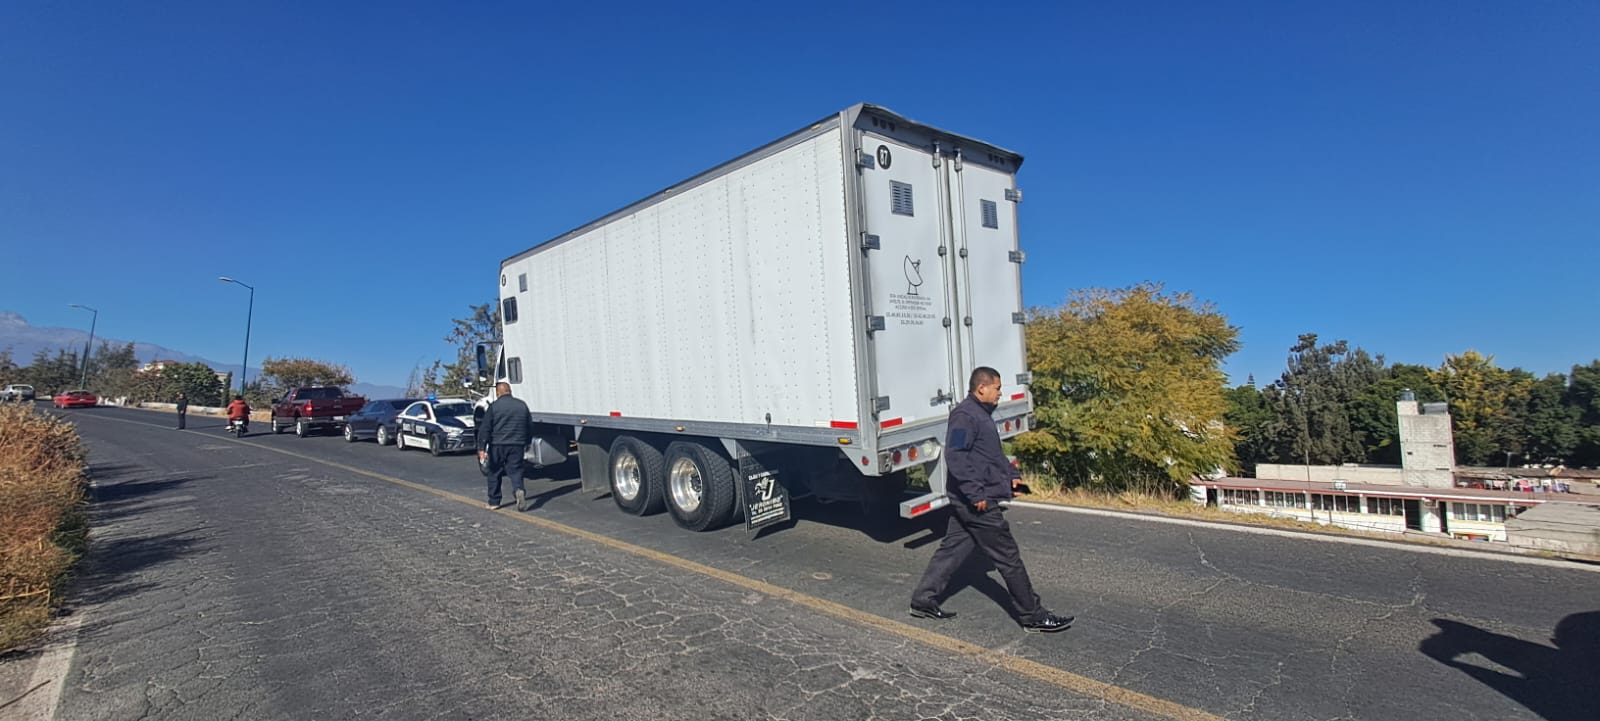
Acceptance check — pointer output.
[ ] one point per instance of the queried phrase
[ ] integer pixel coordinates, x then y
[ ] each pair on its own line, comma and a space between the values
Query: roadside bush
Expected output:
42, 524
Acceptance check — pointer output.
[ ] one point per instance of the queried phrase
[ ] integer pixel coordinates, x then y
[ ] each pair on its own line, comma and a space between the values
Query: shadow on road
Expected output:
536, 501
1555, 682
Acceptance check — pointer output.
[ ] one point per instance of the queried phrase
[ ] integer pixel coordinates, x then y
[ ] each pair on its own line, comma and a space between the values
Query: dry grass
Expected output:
42, 525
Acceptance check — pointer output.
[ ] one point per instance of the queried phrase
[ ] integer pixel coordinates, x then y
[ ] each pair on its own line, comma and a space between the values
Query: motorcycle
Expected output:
238, 426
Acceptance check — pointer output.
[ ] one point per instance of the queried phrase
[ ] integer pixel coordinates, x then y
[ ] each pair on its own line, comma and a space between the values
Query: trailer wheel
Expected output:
700, 489
636, 471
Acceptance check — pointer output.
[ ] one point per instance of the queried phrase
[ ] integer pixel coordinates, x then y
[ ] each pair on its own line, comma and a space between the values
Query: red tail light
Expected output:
308, 407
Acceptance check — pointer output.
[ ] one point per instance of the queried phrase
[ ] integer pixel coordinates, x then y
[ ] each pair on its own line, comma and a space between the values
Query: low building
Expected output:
1467, 514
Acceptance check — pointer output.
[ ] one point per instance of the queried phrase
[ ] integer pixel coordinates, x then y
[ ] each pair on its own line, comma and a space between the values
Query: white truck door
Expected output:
904, 202
988, 271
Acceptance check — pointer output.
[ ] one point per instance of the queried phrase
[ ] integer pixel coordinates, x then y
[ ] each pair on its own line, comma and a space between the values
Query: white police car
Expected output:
442, 425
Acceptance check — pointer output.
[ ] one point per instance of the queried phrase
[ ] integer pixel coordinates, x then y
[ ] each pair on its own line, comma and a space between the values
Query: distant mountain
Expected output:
24, 339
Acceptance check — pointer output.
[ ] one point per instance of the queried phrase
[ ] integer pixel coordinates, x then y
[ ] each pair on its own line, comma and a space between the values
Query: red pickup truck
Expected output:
310, 408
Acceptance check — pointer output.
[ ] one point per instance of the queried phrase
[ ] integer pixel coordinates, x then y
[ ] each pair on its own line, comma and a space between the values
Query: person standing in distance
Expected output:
503, 435
183, 409
978, 479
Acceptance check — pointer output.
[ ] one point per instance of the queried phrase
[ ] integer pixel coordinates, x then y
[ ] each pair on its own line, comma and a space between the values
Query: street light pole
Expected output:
83, 381
244, 367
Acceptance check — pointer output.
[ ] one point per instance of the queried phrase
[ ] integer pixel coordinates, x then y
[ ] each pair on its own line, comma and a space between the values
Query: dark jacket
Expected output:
183, 403
506, 423
974, 460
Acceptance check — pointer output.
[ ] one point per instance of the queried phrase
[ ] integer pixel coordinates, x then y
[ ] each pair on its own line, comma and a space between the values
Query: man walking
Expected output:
503, 435
978, 478
183, 409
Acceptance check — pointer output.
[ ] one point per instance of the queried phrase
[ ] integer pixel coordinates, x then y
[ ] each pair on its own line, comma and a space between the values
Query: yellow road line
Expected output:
1067, 680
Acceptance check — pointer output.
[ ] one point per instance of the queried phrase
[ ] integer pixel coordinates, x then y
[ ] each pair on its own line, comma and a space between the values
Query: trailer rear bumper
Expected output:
923, 504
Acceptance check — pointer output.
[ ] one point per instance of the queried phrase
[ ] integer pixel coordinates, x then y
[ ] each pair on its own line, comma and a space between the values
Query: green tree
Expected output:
196, 380
1251, 420
293, 372
482, 324
1484, 403
1312, 401
112, 370
1373, 414
1583, 396
1551, 427
1128, 390
52, 374
9, 371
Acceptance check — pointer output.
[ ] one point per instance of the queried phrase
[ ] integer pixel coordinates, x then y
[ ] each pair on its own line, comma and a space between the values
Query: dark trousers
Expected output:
970, 530
183, 415
508, 460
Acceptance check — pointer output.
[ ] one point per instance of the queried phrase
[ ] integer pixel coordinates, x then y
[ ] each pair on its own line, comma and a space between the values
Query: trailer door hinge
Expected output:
1017, 257
1014, 195
881, 403
940, 399
1019, 318
875, 323
870, 242
966, 321
865, 160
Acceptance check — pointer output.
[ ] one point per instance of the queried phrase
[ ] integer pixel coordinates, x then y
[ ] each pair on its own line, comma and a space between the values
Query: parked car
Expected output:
17, 392
376, 420
441, 426
76, 399
309, 408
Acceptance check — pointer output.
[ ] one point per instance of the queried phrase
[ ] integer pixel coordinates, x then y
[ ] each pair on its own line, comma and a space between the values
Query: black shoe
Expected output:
522, 501
933, 612
1051, 623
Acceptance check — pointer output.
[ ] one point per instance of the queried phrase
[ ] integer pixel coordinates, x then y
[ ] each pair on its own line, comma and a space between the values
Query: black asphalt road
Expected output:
231, 580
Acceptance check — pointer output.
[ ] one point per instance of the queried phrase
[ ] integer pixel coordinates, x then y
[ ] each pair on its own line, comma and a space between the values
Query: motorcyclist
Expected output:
239, 411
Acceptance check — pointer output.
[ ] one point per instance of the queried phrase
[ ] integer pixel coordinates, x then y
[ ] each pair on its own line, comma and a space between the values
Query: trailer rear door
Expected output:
909, 275
988, 270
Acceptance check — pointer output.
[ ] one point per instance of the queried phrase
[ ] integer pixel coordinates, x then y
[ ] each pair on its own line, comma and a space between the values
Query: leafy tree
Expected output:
1484, 401
1251, 420
9, 371
1550, 426
286, 373
1312, 402
196, 380
481, 324
1583, 396
49, 374
1373, 415
1128, 389
112, 370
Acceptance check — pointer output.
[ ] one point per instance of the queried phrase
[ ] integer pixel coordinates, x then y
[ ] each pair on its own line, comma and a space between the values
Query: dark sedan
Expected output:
376, 420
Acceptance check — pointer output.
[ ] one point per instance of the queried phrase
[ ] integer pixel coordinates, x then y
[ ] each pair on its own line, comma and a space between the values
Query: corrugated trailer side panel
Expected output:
725, 302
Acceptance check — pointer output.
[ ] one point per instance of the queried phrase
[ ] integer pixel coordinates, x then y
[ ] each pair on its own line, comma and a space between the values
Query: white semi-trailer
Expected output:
798, 320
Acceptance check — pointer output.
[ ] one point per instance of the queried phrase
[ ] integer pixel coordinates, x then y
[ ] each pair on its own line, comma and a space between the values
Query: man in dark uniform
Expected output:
183, 409
978, 479
503, 435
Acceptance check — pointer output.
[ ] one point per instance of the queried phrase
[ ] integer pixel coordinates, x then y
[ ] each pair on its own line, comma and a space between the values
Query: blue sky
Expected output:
1419, 178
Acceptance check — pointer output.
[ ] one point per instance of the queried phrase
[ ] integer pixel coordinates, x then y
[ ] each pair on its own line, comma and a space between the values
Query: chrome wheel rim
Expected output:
686, 484
625, 476
383, 436
349, 433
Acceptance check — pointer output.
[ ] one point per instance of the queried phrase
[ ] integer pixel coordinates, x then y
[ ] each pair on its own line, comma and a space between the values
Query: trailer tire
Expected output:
636, 471
700, 489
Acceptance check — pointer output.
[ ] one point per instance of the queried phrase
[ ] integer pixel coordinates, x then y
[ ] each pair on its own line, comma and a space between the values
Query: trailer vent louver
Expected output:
901, 197
991, 214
